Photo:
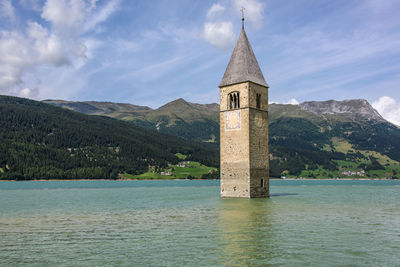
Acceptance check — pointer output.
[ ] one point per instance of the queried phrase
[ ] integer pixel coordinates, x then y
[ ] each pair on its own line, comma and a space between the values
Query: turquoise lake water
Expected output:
185, 223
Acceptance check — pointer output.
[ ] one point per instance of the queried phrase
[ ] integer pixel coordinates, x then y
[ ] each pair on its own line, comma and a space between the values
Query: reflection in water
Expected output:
246, 234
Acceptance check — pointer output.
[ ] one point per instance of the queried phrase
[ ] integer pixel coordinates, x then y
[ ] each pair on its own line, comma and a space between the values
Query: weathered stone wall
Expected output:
244, 144
258, 153
258, 89
235, 154
258, 126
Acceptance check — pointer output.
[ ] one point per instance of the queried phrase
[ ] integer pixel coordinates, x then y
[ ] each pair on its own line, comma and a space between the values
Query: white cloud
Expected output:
93, 4
61, 43
15, 58
254, 11
218, 28
219, 34
65, 16
215, 10
7, 10
102, 14
292, 101
49, 47
28, 93
389, 108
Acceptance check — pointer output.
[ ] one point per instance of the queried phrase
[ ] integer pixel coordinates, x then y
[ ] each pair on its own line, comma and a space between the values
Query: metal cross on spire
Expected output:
242, 9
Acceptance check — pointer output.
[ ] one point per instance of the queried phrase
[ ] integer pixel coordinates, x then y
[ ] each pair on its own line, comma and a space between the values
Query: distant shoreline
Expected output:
198, 179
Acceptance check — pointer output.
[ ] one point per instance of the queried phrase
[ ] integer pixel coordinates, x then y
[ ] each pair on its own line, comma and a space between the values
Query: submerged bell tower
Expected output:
244, 125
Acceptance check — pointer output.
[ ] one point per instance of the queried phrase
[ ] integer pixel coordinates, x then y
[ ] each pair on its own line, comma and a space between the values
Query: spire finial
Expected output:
242, 9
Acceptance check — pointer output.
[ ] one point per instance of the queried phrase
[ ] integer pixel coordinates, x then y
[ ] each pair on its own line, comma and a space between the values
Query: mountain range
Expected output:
41, 141
313, 139
190, 121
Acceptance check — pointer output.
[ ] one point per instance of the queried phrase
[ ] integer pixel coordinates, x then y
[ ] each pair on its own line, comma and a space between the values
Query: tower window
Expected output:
234, 100
258, 100
262, 182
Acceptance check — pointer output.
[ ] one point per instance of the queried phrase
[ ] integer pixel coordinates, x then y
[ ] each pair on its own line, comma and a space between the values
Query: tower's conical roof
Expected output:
243, 65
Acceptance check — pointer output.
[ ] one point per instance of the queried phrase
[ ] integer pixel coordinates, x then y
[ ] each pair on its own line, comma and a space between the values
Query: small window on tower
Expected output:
230, 101
234, 100
258, 100
262, 183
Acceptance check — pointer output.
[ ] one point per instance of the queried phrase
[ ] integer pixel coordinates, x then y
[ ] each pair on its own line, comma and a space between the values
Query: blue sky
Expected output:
152, 52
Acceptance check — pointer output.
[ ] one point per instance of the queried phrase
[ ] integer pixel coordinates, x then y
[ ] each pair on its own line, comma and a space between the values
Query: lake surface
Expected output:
185, 223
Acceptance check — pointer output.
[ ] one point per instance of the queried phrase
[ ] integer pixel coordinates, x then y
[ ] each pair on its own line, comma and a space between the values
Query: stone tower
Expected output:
244, 125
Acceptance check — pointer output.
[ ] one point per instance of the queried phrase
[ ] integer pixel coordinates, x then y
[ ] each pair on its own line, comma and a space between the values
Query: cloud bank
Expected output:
389, 108
58, 40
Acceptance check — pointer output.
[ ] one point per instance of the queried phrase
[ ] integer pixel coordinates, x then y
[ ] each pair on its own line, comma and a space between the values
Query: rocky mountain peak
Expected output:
355, 108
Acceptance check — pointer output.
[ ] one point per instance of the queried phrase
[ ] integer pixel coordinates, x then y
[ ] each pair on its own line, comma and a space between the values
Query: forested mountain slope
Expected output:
333, 138
313, 139
39, 140
187, 120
